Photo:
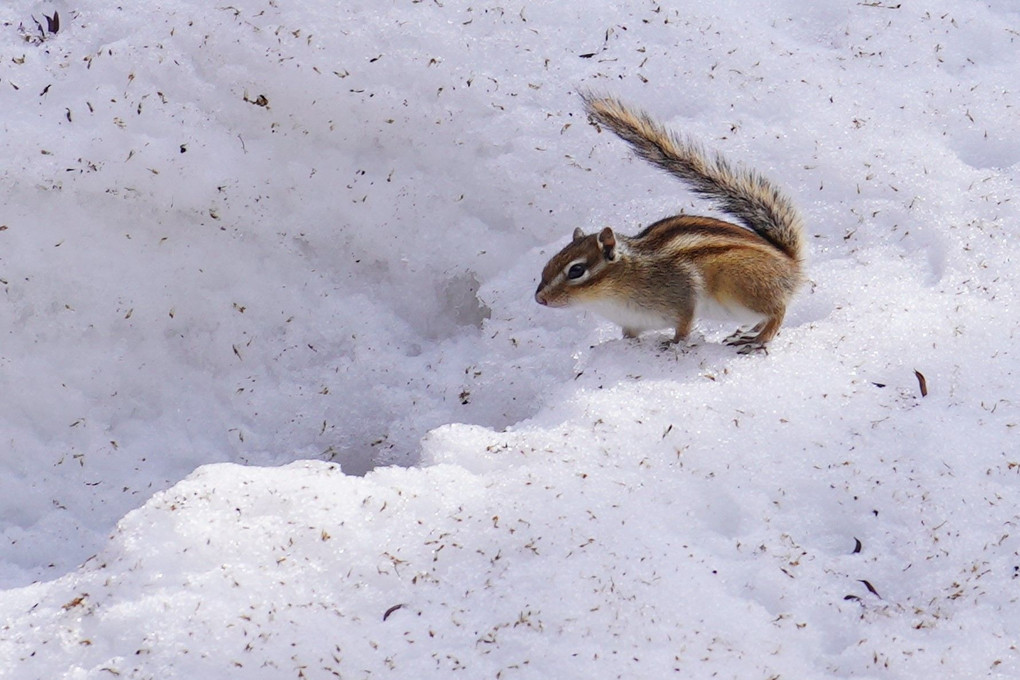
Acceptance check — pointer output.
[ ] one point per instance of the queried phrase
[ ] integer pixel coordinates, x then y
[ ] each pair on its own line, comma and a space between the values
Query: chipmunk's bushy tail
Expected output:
745, 194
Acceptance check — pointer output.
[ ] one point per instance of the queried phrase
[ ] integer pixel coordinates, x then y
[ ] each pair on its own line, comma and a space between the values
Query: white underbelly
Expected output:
632, 317
637, 318
710, 308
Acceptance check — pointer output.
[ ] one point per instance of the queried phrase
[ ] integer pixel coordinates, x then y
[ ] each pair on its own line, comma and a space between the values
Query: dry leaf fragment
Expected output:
76, 602
871, 588
922, 383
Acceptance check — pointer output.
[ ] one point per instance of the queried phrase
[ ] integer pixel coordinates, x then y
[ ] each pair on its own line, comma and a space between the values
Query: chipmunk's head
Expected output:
576, 273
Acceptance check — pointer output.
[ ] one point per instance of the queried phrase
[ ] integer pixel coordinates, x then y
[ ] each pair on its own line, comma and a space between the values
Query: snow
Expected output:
278, 401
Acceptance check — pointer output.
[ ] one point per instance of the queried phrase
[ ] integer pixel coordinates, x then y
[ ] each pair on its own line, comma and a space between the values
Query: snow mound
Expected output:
267, 275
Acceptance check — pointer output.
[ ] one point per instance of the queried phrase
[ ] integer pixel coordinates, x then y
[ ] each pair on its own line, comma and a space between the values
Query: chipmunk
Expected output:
684, 266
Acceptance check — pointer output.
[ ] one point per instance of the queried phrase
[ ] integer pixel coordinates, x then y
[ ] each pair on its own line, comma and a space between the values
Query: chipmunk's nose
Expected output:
540, 296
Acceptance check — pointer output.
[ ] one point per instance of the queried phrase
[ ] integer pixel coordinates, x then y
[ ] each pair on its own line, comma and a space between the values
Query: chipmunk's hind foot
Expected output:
742, 336
753, 348
755, 340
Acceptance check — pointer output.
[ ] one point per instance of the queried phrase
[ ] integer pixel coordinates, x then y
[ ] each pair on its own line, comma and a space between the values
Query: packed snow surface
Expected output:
278, 403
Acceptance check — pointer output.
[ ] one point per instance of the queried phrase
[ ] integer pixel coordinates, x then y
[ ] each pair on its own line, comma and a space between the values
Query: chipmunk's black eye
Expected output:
576, 271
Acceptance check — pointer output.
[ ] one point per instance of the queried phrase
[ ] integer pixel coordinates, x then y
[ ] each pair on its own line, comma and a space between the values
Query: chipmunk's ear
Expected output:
607, 242
578, 234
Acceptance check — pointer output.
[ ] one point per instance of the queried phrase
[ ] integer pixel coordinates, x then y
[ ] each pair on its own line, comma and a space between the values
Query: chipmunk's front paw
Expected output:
678, 347
672, 345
